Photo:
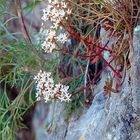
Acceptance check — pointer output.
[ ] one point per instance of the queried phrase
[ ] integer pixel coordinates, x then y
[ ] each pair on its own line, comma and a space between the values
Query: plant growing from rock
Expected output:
69, 20
108, 15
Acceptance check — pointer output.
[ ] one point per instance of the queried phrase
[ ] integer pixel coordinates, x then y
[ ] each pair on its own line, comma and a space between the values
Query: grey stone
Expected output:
108, 118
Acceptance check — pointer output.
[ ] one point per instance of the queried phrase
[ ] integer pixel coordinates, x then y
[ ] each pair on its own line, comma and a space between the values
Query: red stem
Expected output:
115, 72
22, 22
96, 76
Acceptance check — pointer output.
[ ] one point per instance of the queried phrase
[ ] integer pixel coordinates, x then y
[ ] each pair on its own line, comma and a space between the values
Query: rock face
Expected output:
108, 118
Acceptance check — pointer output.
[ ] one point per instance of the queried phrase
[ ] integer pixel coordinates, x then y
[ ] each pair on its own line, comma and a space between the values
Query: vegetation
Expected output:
73, 64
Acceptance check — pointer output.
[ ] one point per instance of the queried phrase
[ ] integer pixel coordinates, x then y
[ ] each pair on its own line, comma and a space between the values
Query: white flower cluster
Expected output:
47, 90
56, 11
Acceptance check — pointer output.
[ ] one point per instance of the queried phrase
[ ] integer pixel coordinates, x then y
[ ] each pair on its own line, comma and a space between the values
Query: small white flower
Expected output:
62, 38
64, 5
56, 11
47, 90
69, 11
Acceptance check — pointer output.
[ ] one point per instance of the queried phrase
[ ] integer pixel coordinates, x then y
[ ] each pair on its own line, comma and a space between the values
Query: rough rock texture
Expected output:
108, 118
